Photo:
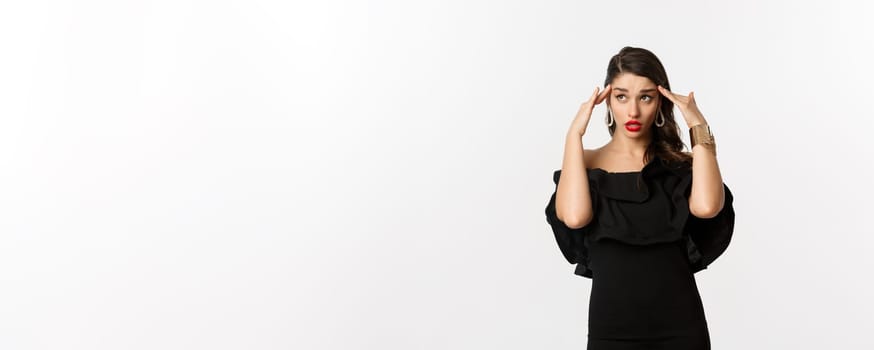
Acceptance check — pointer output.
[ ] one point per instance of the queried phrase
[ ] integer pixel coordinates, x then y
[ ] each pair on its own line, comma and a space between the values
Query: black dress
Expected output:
641, 251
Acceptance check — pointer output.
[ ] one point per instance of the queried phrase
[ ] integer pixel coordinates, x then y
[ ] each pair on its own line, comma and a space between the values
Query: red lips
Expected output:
632, 125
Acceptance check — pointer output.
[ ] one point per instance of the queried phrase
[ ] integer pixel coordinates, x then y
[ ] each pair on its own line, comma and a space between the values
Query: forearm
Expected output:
573, 204
708, 195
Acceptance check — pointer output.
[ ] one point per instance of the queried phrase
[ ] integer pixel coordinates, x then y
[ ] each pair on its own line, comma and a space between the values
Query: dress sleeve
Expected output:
571, 241
706, 239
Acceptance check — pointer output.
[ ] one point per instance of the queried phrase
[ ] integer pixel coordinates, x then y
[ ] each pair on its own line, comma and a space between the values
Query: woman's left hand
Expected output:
687, 106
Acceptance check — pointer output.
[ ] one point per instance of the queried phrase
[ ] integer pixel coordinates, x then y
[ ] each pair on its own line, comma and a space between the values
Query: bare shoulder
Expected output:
591, 156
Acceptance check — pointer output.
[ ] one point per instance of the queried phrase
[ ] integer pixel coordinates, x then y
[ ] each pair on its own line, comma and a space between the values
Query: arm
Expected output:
573, 204
708, 193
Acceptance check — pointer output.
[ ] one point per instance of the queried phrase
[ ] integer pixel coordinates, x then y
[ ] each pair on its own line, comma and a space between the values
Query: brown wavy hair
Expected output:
666, 142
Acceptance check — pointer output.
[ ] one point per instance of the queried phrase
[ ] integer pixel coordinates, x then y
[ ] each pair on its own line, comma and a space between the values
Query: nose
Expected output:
633, 110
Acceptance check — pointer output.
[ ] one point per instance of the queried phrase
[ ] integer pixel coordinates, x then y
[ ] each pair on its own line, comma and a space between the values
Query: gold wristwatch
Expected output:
701, 134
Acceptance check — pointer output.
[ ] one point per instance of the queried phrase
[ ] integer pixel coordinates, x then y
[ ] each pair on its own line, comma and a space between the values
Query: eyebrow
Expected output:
626, 90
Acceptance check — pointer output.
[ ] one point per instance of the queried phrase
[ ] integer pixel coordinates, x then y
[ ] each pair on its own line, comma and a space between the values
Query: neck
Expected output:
626, 146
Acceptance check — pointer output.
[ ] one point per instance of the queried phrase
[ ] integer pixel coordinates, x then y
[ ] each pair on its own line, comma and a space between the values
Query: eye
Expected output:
646, 98
620, 97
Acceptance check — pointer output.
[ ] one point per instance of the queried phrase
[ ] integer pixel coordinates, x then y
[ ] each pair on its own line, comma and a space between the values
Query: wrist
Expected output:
700, 134
694, 122
708, 148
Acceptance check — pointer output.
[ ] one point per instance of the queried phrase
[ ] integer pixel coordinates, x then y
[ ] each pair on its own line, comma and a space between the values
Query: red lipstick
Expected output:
632, 125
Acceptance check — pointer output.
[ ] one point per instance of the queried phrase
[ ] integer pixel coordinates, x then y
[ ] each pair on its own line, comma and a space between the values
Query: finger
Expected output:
677, 99
668, 94
594, 95
603, 95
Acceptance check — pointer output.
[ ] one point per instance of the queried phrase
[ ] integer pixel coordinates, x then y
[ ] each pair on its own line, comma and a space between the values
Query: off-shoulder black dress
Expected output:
641, 251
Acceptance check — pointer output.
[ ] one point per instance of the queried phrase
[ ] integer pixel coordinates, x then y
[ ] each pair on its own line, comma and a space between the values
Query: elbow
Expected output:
706, 208
705, 212
574, 217
577, 222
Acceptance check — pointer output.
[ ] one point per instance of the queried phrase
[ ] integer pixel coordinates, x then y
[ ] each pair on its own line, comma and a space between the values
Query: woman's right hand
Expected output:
585, 113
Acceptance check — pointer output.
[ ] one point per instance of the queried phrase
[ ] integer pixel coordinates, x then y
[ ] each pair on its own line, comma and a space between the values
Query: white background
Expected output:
373, 175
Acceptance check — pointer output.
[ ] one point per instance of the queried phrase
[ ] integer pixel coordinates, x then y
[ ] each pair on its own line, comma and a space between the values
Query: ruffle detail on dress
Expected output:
706, 239
639, 208
662, 185
570, 241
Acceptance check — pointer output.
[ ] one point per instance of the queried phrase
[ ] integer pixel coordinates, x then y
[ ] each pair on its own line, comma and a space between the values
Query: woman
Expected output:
639, 216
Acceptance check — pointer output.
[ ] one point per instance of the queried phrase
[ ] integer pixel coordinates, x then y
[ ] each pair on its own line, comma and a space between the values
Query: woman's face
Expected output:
633, 99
